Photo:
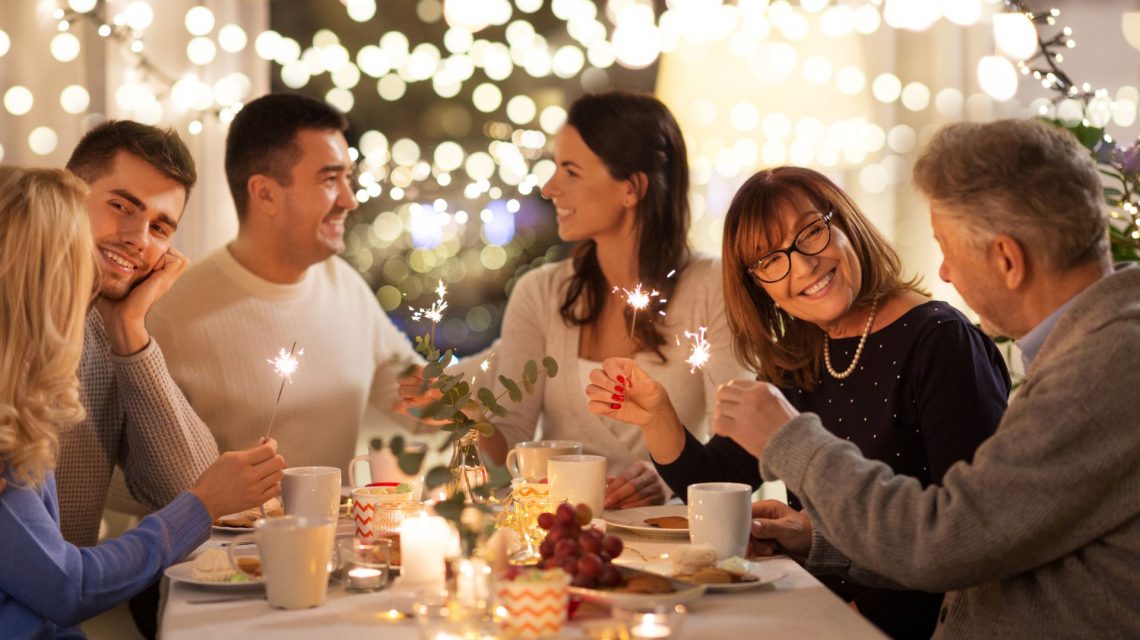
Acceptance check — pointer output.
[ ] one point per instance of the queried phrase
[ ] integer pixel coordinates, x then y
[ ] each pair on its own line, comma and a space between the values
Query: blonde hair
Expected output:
783, 349
47, 276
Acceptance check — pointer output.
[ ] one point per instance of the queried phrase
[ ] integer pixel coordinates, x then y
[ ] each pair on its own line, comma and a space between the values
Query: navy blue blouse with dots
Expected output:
928, 389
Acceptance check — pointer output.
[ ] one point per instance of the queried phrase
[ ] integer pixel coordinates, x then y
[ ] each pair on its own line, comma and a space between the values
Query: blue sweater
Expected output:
48, 586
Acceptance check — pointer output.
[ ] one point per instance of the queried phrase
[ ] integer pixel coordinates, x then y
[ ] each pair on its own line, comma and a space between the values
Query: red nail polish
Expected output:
618, 388
615, 406
618, 398
621, 378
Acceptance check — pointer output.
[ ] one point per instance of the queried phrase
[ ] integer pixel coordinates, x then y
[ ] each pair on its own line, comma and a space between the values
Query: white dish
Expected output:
684, 592
764, 572
184, 572
634, 520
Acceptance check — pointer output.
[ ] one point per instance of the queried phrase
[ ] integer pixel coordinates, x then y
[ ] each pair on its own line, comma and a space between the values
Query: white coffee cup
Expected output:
579, 479
720, 514
311, 492
295, 554
384, 467
529, 459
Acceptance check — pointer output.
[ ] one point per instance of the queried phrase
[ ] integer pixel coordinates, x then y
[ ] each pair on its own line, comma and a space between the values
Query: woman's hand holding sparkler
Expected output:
240, 480
623, 391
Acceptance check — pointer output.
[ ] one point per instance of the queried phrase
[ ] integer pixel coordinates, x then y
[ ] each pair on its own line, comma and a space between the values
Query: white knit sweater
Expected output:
219, 325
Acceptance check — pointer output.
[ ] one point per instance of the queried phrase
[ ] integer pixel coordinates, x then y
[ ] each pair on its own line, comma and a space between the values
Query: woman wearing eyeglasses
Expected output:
817, 303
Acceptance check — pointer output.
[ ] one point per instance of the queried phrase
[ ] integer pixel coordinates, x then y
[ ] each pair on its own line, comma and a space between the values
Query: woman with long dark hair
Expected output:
620, 192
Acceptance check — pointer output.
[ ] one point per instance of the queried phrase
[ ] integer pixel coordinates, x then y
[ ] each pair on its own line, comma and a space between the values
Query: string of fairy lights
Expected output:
445, 206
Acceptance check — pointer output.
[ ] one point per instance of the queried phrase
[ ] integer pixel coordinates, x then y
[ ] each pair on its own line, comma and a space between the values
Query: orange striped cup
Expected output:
533, 608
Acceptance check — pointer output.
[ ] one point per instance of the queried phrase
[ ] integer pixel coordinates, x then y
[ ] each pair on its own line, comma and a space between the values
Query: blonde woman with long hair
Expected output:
47, 279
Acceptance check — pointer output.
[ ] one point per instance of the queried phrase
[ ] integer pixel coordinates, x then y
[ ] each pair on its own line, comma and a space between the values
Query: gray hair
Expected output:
1023, 178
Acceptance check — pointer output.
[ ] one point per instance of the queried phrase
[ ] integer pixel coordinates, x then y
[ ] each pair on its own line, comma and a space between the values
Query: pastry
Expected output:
668, 522
646, 583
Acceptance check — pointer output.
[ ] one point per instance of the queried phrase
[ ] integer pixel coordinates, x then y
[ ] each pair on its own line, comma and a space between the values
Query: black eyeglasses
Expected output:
812, 239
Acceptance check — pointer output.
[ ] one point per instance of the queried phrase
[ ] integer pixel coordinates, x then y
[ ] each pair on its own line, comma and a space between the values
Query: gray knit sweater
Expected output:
1039, 537
138, 419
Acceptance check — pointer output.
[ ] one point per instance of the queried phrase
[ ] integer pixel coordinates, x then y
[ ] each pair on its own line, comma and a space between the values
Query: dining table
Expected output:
794, 605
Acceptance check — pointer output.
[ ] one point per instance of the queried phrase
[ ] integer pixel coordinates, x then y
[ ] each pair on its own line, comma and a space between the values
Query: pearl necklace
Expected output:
839, 375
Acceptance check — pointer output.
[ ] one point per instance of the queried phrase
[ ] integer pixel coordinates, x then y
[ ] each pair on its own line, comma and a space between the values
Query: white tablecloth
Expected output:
795, 606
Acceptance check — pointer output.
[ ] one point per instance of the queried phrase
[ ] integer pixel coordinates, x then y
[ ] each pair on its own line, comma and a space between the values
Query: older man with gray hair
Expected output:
1040, 535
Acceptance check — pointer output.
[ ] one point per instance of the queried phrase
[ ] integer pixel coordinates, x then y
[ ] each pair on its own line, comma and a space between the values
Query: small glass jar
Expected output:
388, 517
650, 622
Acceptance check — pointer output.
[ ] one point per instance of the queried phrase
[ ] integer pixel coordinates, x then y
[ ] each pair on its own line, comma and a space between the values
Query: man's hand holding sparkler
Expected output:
412, 394
240, 480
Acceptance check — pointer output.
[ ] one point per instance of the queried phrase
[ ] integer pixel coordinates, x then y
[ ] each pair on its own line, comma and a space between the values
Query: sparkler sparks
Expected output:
435, 311
699, 353
638, 299
284, 365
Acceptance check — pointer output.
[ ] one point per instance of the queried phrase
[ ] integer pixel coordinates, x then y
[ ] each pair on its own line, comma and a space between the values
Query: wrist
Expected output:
210, 508
126, 336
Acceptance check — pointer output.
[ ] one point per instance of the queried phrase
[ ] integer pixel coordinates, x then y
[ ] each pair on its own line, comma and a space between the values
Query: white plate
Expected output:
764, 572
634, 520
184, 572
684, 592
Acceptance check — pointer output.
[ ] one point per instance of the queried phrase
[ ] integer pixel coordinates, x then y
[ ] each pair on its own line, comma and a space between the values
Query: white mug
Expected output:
295, 555
383, 467
579, 479
720, 514
311, 492
529, 459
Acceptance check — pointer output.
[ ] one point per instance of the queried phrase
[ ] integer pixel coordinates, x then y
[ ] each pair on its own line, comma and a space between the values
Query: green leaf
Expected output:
436, 477
497, 476
529, 386
410, 463
530, 371
452, 508
499, 410
445, 360
512, 389
487, 398
486, 429
376, 444
551, 366
397, 445
462, 389
429, 411
433, 370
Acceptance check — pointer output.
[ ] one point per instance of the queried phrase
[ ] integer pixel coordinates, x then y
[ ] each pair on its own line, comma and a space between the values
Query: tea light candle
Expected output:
423, 542
364, 579
648, 627
472, 581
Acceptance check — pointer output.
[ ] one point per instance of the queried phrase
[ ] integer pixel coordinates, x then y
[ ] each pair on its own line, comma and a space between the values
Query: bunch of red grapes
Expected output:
585, 554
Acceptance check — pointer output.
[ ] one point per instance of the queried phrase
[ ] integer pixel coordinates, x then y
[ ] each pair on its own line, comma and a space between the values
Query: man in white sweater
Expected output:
280, 282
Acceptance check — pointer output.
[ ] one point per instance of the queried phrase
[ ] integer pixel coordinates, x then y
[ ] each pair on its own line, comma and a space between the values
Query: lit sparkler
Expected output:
435, 311
638, 299
699, 353
284, 365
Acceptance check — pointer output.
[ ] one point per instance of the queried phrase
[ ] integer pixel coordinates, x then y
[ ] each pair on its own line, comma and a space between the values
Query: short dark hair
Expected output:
262, 139
95, 154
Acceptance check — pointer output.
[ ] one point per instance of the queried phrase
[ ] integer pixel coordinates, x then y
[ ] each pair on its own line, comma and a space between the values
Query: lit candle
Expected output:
365, 579
649, 627
423, 542
472, 581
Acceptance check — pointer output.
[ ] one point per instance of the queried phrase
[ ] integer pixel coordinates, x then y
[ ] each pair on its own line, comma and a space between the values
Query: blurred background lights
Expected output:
199, 21
74, 99
18, 100
1015, 35
201, 51
138, 15
81, 6
43, 140
232, 38
64, 47
997, 77
886, 87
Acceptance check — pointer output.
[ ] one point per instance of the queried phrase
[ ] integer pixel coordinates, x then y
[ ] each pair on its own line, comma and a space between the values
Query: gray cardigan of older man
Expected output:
1039, 537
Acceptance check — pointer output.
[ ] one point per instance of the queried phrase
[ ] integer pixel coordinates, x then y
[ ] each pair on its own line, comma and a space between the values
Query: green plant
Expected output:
466, 413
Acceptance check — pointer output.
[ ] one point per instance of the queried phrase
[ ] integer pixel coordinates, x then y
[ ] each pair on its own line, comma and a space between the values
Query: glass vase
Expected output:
466, 467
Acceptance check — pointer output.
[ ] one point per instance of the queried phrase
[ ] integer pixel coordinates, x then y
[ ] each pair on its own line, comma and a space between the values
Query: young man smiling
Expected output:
279, 282
139, 178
